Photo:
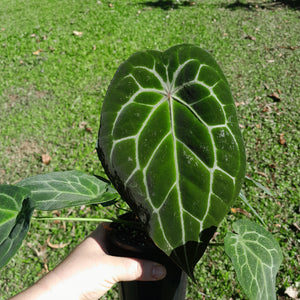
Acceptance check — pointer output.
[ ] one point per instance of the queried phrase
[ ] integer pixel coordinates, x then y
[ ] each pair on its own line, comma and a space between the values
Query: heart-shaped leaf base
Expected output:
170, 143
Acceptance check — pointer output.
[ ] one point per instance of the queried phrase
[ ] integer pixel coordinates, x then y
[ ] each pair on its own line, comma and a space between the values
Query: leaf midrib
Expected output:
240, 240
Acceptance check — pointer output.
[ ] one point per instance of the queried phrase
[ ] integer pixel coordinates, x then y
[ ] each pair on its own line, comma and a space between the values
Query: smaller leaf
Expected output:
15, 212
58, 190
256, 257
251, 180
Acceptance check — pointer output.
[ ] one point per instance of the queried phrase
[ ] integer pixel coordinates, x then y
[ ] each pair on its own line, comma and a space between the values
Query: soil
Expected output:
131, 235
130, 239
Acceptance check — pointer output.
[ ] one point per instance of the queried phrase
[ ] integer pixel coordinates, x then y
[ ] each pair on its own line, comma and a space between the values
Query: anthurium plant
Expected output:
170, 144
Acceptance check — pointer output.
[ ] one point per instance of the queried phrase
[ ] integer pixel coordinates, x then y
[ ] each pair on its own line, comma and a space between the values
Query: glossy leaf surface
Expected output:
256, 257
58, 190
170, 143
15, 212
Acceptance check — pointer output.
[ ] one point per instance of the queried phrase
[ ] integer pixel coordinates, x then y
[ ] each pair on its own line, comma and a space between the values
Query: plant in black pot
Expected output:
170, 144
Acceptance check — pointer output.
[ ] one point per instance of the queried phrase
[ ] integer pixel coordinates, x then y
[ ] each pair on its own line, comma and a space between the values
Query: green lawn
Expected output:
57, 59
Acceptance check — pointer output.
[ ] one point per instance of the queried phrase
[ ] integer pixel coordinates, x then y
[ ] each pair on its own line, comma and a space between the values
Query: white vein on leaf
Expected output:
168, 90
258, 259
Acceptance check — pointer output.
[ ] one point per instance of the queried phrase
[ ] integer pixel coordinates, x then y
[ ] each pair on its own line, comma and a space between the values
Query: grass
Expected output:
47, 102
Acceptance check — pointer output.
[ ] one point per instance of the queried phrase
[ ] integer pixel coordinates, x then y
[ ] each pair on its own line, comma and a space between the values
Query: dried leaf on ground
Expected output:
262, 174
275, 96
266, 108
56, 246
88, 129
282, 141
84, 125
40, 252
296, 226
290, 47
46, 159
37, 52
77, 33
250, 37
240, 210
292, 292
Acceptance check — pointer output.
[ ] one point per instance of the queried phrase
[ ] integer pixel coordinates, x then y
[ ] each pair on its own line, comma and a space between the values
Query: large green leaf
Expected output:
170, 143
256, 257
58, 190
15, 212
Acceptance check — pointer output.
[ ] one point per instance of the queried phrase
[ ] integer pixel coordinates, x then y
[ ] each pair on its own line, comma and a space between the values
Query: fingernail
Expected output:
158, 272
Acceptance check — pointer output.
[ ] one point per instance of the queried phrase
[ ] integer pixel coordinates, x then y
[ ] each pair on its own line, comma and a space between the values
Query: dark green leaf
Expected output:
170, 143
256, 257
15, 212
58, 190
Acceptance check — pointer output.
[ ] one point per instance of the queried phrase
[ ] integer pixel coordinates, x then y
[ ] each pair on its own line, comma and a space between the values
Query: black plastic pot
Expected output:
132, 241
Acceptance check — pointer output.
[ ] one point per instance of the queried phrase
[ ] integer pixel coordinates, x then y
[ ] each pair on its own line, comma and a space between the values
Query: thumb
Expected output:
138, 269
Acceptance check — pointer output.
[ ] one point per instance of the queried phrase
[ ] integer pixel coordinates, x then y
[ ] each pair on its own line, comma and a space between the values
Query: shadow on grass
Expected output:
295, 4
252, 5
166, 5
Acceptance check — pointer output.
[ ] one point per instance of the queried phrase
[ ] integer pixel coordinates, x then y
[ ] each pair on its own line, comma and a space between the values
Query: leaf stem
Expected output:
71, 219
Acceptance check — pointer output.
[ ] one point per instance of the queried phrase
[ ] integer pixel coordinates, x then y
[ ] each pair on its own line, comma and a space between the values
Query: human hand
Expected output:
89, 272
